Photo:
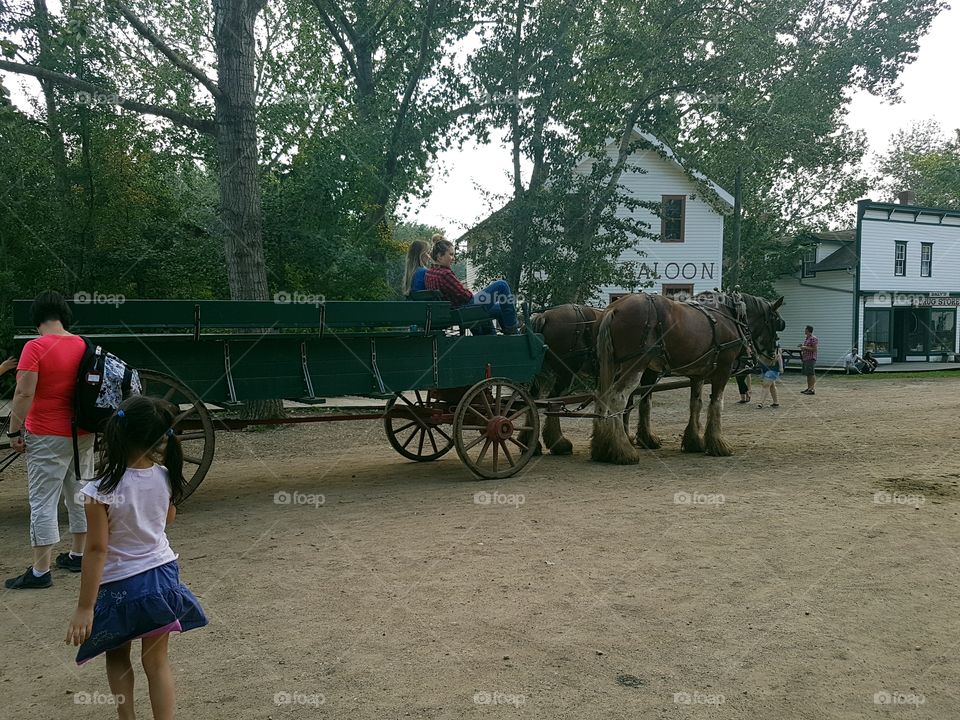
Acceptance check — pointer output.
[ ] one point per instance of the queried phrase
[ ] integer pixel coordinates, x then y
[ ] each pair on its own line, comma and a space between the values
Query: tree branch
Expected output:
412, 82
372, 32
201, 125
342, 19
172, 55
338, 37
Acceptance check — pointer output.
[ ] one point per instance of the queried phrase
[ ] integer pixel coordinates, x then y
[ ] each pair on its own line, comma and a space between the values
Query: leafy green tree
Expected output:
761, 87
193, 64
925, 160
400, 99
779, 119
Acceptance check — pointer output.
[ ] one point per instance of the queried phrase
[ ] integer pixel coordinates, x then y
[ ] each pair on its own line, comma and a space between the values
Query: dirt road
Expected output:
812, 575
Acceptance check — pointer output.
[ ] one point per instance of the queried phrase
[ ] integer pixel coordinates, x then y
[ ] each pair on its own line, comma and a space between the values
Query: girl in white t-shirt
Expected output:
130, 584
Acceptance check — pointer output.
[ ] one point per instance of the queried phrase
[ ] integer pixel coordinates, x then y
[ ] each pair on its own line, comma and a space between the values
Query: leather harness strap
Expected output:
744, 339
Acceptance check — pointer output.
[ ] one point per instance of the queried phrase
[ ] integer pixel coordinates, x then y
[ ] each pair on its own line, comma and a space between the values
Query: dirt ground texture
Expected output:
814, 574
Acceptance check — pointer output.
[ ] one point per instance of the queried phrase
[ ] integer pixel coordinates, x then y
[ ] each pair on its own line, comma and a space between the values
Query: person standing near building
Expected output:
808, 358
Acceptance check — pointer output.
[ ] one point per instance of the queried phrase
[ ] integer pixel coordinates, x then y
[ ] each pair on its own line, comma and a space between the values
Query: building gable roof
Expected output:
658, 144
840, 259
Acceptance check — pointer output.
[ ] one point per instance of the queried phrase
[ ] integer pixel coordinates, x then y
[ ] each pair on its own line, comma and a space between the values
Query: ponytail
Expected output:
173, 458
173, 461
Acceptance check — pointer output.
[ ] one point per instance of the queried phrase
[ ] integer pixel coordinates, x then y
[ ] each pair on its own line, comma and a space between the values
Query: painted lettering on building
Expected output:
678, 271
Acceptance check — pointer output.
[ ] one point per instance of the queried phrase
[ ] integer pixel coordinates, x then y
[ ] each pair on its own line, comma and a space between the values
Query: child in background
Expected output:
130, 584
770, 377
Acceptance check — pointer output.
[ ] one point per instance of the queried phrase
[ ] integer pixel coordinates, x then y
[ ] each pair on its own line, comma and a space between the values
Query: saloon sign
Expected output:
677, 271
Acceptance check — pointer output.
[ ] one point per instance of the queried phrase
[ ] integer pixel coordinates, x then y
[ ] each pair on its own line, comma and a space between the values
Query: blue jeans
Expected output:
500, 304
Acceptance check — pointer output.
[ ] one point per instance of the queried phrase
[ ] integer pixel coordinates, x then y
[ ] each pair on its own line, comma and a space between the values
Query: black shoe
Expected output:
66, 561
29, 580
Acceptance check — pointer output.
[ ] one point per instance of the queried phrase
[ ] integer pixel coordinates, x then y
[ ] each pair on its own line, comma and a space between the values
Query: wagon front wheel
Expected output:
412, 427
492, 421
192, 424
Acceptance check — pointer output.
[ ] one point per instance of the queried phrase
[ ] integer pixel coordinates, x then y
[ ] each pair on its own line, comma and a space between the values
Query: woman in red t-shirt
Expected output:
40, 425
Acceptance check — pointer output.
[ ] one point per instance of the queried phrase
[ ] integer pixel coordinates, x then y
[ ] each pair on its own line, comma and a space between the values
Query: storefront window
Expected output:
876, 331
942, 330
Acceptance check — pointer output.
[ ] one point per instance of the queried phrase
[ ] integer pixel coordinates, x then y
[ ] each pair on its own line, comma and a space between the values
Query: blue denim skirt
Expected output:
151, 603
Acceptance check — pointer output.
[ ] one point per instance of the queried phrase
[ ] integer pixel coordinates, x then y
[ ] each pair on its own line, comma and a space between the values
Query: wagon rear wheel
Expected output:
413, 429
193, 425
491, 419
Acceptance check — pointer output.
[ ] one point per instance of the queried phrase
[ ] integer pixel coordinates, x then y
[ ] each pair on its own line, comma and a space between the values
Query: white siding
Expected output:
829, 308
877, 247
698, 260
827, 248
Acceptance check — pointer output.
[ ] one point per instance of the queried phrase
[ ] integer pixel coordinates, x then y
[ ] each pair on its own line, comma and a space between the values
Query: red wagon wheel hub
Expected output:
499, 428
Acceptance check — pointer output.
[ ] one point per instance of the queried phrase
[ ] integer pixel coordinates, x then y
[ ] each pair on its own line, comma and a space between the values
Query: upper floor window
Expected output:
900, 258
926, 259
673, 218
809, 260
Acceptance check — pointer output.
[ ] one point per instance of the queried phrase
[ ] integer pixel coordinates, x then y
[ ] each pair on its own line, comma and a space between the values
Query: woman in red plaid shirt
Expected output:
497, 297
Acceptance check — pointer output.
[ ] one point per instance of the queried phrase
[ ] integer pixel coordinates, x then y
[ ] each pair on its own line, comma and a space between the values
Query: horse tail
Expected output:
605, 352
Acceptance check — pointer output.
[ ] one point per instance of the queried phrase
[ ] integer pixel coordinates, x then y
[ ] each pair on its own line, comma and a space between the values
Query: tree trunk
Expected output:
58, 153
237, 149
239, 162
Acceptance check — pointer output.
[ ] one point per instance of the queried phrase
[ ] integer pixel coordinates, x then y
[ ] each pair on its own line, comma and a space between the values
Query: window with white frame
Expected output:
900, 258
926, 259
809, 260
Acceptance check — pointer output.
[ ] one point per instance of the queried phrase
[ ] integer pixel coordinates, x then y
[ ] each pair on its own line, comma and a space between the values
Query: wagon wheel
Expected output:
490, 419
198, 444
410, 433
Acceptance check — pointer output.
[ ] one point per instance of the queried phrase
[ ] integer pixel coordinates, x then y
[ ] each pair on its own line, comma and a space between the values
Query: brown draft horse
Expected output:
643, 337
569, 332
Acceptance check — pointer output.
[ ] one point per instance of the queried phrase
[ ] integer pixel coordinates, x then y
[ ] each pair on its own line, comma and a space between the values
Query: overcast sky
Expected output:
929, 92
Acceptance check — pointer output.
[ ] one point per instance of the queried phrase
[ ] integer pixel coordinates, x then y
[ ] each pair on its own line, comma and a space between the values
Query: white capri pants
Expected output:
50, 472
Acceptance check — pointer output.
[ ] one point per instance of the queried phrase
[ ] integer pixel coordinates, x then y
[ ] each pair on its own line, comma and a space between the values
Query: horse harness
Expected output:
744, 338
583, 345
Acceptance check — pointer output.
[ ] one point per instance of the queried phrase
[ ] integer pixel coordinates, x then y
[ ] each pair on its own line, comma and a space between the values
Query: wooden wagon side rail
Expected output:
196, 317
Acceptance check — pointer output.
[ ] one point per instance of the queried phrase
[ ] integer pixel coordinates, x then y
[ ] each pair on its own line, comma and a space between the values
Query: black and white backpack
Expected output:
103, 382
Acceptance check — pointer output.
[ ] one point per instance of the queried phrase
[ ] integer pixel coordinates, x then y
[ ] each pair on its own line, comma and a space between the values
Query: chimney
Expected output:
907, 197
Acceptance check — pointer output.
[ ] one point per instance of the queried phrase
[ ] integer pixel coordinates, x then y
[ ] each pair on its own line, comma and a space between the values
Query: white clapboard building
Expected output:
688, 256
891, 286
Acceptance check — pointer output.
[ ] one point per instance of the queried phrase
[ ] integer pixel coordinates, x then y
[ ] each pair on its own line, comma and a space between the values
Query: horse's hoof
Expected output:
692, 445
650, 443
562, 447
538, 450
623, 457
719, 449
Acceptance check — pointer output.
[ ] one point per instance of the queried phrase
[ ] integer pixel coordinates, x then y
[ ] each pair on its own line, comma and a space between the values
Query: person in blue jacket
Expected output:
415, 273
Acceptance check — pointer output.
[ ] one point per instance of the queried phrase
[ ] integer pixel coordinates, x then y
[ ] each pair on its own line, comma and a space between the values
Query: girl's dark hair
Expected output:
50, 305
141, 425
441, 247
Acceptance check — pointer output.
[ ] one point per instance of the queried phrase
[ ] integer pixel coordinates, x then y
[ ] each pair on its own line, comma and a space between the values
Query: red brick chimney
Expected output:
907, 197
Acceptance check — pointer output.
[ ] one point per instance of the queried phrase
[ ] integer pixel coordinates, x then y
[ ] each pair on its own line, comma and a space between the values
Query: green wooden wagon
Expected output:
444, 388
